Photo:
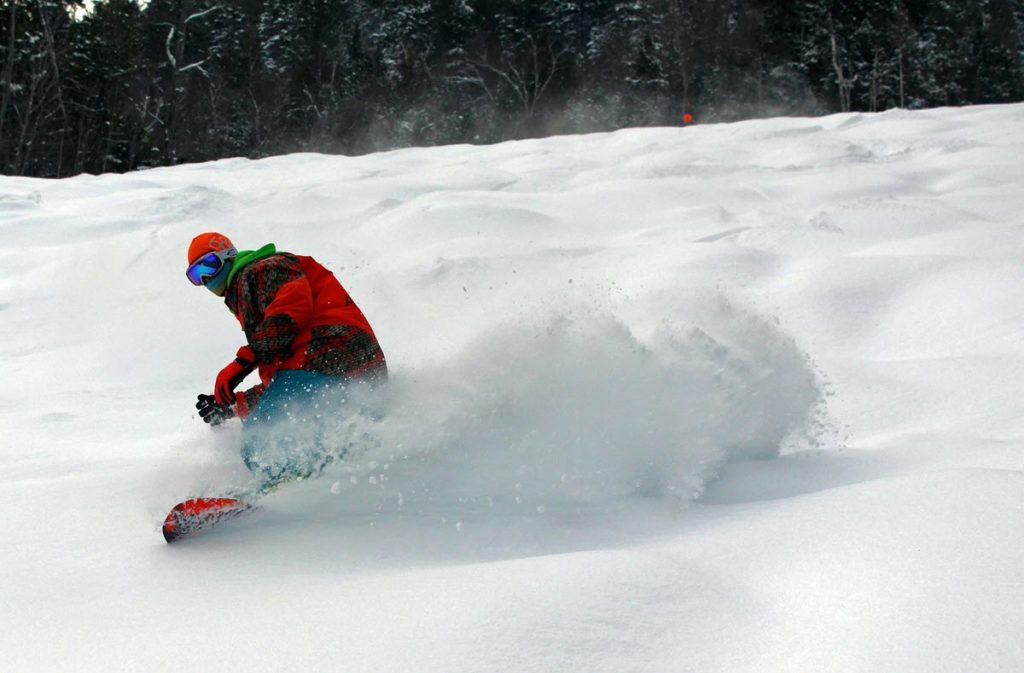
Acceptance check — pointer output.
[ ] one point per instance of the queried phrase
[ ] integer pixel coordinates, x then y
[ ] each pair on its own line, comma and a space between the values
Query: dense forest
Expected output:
118, 85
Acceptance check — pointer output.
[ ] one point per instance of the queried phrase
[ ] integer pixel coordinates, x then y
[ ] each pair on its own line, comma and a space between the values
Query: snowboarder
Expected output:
311, 344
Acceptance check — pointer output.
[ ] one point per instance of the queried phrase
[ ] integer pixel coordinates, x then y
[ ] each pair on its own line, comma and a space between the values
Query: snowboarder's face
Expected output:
212, 270
219, 283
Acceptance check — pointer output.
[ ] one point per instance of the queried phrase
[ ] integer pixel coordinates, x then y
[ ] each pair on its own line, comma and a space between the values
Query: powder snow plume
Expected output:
575, 415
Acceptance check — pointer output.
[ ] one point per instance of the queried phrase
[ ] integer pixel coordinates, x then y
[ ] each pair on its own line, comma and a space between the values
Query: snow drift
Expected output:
740, 397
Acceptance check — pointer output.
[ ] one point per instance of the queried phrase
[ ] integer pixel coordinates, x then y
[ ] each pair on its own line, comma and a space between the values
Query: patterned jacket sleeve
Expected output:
246, 402
275, 304
273, 301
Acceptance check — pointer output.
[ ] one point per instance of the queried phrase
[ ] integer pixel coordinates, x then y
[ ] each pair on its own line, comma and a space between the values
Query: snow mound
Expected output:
605, 443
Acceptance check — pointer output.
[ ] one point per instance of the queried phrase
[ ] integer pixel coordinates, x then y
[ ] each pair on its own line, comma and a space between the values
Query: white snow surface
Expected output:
739, 397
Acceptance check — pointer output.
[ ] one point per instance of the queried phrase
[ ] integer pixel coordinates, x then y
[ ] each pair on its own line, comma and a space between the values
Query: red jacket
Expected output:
296, 315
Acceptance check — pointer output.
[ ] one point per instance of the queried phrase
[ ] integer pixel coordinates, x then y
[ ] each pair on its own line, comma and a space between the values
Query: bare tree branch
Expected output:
198, 65
199, 15
170, 57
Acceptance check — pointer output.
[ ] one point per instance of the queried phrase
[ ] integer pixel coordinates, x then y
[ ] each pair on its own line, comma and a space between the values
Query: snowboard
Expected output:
197, 515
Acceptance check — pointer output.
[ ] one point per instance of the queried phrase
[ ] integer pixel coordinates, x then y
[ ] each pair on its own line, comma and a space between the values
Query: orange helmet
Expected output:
211, 241
209, 260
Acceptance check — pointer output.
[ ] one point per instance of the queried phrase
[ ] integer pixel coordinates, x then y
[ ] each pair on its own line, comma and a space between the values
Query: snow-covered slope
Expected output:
727, 398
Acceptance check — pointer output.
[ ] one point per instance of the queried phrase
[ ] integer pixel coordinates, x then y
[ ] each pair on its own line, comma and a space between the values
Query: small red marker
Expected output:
687, 118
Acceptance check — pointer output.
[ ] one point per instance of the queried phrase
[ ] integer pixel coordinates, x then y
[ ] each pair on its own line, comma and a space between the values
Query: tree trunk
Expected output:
903, 103
8, 74
874, 84
51, 48
23, 149
845, 85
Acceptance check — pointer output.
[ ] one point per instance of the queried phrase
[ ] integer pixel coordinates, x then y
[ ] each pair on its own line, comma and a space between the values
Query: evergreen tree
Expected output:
35, 116
108, 78
122, 85
996, 76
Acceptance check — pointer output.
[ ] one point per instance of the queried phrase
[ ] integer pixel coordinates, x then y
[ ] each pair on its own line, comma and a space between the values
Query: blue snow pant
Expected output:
293, 431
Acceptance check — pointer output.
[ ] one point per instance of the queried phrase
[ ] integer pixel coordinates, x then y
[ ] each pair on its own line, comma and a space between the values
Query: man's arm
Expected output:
276, 305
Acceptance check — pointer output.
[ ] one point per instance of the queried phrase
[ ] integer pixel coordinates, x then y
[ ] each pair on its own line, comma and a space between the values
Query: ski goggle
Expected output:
209, 265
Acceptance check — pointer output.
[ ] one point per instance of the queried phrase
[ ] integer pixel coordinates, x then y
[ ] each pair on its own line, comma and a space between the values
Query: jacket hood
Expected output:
246, 257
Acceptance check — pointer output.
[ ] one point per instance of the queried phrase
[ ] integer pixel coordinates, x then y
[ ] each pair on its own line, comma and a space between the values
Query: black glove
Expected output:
211, 412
